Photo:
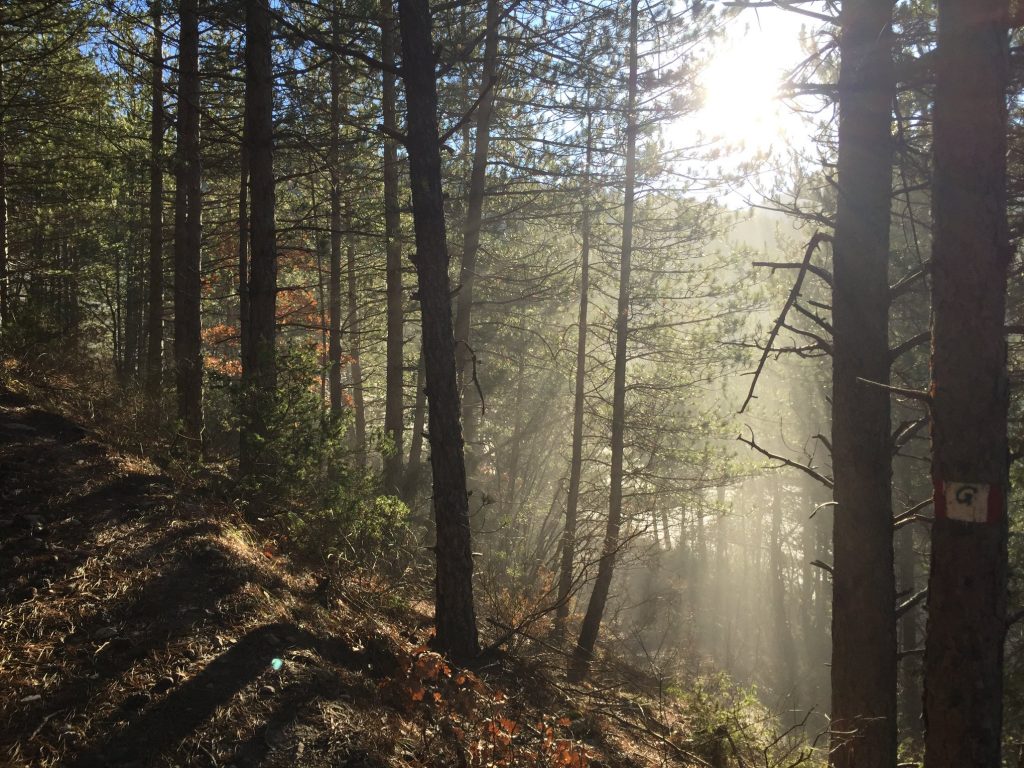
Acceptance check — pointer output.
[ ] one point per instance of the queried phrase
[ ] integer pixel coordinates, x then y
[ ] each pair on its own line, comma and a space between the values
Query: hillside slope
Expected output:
142, 623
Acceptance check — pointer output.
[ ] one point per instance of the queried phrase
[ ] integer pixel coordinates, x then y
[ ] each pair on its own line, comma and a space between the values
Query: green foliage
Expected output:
311, 481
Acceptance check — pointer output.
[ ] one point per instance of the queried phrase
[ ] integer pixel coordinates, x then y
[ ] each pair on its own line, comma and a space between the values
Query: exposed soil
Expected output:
143, 624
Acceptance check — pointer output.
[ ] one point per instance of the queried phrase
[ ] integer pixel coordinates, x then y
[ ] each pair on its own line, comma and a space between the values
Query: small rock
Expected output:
163, 685
106, 633
135, 702
267, 691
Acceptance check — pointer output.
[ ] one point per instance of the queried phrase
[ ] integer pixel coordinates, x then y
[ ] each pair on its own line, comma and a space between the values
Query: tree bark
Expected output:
584, 650
864, 722
259, 367
474, 221
576, 462
188, 206
454, 613
970, 257
394, 363
155, 343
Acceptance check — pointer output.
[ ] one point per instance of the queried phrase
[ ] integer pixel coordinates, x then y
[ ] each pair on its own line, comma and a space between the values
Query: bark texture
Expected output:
259, 368
864, 722
454, 613
970, 258
154, 350
188, 206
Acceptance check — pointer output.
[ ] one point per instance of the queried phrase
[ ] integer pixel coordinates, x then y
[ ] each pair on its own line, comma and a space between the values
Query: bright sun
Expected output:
741, 115
741, 108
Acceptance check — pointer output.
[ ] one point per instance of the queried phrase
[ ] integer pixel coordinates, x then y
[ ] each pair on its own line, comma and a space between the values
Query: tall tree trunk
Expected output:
584, 649
970, 257
188, 206
334, 163
474, 220
864, 591
358, 404
576, 462
259, 367
154, 350
454, 613
394, 363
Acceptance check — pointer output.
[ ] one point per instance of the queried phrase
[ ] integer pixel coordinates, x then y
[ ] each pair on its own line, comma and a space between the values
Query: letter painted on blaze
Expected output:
968, 502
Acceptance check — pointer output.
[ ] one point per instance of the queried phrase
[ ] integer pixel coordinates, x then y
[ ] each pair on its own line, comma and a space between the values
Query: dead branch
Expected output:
913, 394
815, 241
906, 432
910, 602
820, 507
811, 471
823, 565
816, 319
910, 515
819, 342
814, 269
904, 284
914, 341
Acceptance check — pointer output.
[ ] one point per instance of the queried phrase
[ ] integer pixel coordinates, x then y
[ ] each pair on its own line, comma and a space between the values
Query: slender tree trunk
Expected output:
584, 650
334, 163
864, 592
358, 404
970, 256
154, 350
259, 367
188, 206
474, 220
412, 469
454, 613
576, 462
787, 681
394, 364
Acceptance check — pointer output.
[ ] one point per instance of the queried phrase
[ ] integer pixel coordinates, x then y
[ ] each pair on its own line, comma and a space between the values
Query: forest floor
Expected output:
143, 623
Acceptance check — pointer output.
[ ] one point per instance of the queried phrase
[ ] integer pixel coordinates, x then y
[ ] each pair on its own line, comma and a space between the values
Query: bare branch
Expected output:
811, 471
814, 269
910, 602
816, 240
914, 341
823, 565
913, 394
